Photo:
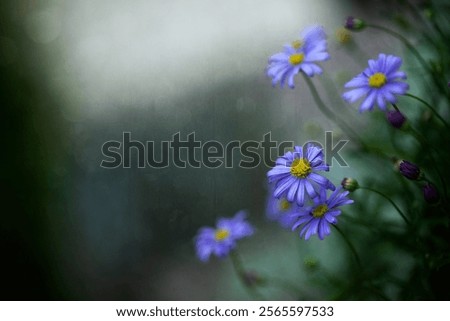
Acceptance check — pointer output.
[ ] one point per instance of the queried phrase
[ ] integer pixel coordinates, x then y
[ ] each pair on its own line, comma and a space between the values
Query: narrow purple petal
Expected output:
307, 69
358, 81
279, 57
380, 101
373, 66
312, 152
283, 185
301, 193
399, 88
353, 95
392, 64
369, 101
324, 229
298, 151
319, 179
310, 189
277, 170
292, 191
395, 75
312, 229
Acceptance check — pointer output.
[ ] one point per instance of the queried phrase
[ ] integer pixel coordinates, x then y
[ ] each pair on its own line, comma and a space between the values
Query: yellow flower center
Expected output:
221, 234
377, 80
284, 205
300, 167
296, 44
296, 58
320, 210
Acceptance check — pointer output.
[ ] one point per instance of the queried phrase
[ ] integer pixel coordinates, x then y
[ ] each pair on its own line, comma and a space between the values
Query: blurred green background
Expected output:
75, 74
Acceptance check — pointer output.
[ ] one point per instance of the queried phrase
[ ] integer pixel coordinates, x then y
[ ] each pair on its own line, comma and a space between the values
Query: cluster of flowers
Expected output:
300, 195
379, 82
301, 198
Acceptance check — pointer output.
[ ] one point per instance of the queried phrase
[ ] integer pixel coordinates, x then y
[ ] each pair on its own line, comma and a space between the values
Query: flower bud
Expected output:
350, 184
430, 193
396, 118
343, 35
354, 24
409, 170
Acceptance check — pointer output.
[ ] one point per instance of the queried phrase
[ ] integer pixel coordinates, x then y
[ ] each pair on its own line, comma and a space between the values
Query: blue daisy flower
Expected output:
295, 174
281, 210
316, 219
299, 55
379, 83
222, 239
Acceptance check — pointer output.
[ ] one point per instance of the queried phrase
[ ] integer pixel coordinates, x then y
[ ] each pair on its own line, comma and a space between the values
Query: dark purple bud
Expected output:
354, 24
409, 170
430, 193
395, 118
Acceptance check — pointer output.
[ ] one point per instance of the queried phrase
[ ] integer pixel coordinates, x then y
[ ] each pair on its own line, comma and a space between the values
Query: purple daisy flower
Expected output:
379, 83
299, 55
281, 211
222, 239
316, 219
295, 173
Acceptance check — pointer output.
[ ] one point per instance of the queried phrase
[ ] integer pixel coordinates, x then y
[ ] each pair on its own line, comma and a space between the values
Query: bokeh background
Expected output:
75, 74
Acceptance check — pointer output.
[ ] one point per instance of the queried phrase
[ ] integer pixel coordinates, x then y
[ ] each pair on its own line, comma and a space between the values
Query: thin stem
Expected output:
424, 143
274, 282
350, 245
405, 42
327, 112
240, 271
429, 107
390, 201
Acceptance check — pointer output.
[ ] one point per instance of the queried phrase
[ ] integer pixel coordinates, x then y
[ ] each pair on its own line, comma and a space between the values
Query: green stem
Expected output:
350, 245
349, 131
424, 143
240, 271
274, 282
390, 201
327, 112
429, 107
405, 42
